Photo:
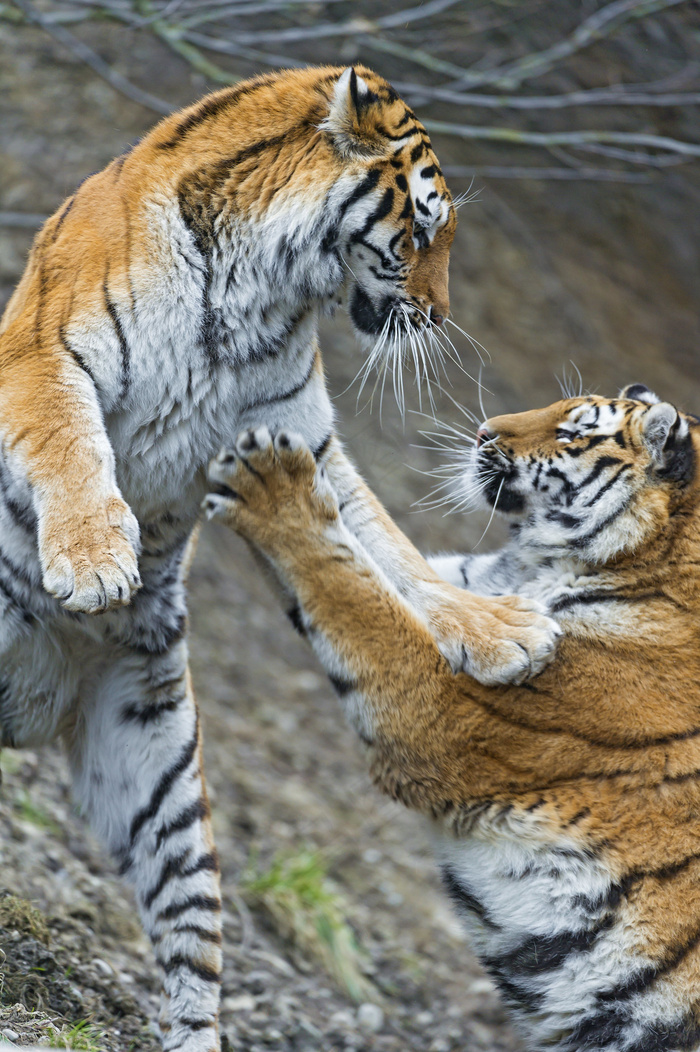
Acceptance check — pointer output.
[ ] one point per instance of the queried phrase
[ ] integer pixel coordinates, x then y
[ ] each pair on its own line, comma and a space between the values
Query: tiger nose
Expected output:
482, 435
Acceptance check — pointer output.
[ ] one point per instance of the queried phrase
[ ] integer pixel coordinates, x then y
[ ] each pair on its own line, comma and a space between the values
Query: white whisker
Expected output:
493, 512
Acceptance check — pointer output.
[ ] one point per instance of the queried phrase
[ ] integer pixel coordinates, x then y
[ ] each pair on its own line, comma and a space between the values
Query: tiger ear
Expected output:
639, 393
346, 122
667, 436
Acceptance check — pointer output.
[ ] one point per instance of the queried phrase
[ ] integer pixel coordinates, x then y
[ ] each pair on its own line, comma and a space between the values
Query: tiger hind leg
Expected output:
136, 758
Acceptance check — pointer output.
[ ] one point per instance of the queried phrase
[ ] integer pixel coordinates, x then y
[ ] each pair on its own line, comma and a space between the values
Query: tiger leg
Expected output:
53, 435
496, 640
136, 758
378, 651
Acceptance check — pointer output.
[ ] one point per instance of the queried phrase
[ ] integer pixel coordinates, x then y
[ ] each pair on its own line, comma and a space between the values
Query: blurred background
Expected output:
574, 126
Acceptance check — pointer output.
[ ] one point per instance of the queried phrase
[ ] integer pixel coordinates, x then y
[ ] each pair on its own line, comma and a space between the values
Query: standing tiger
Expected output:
566, 810
170, 302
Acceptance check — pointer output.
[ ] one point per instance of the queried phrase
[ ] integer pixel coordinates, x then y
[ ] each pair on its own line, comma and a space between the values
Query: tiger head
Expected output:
396, 221
311, 188
592, 477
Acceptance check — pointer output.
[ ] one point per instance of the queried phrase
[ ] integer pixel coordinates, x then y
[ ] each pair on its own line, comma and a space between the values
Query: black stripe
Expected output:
386, 134
16, 598
567, 601
601, 743
682, 1036
79, 361
194, 902
194, 813
286, 395
222, 169
145, 714
202, 933
195, 1024
121, 338
23, 516
464, 899
601, 465
164, 786
295, 616
361, 190
180, 961
563, 519
172, 868
151, 646
544, 953
212, 106
640, 983
382, 210
342, 686
582, 541
608, 485
62, 217
320, 450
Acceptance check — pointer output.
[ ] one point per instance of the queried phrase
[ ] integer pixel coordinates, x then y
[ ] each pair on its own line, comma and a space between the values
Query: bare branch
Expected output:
93, 60
594, 28
352, 27
493, 171
22, 220
592, 97
575, 139
411, 54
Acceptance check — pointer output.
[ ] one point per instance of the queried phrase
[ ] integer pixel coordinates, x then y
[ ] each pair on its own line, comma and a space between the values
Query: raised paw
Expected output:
90, 565
496, 640
266, 484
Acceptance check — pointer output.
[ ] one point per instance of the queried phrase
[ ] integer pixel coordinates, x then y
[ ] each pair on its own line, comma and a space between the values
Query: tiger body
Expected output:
171, 301
566, 811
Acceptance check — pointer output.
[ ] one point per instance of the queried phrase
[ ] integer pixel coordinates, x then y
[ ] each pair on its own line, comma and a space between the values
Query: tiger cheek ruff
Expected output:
170, 302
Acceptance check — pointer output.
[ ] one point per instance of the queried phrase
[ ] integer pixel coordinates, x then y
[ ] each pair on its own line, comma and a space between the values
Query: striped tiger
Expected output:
566, 810
171, 301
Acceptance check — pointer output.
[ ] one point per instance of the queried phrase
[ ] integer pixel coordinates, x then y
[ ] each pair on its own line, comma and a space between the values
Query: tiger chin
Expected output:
566, 811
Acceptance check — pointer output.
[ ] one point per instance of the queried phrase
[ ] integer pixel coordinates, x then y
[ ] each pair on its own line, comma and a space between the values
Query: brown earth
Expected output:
606, 275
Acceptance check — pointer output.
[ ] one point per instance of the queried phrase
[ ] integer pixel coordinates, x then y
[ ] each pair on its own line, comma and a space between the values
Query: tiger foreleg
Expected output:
378, 652
52, 432
136, 758
496, 640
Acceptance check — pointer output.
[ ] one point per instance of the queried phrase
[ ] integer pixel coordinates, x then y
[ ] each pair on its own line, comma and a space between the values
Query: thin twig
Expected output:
575, 139
93, 60
593, 29
652, 160
22, 220
603, 175
592, 97
351, 27
208, 12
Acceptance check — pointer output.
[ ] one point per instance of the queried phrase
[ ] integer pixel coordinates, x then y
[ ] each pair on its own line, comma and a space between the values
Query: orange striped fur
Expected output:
567, 810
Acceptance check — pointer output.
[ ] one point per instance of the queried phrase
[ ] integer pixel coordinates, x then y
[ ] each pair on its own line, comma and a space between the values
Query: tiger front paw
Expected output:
90, 564
267, 485
496, 640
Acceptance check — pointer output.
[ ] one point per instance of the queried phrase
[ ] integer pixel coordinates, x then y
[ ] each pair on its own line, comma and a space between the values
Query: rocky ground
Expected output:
542, 273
